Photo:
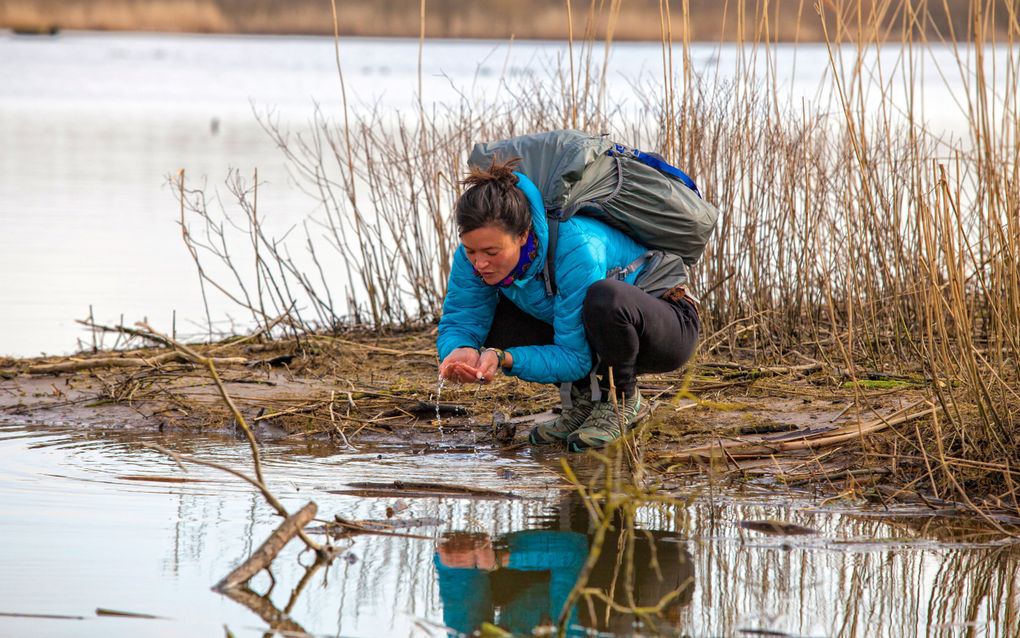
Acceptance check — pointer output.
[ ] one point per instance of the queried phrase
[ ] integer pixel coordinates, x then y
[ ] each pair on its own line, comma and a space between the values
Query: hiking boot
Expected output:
604, 425
557, 430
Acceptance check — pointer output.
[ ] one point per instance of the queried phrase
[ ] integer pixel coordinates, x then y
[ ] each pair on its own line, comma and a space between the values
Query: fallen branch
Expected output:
425, 407
744, 449
268, 550
125, 330
774, 527
365, 346
856, 475
101, 611
405, 488
75, 365
262, 606
739, 370
380, 528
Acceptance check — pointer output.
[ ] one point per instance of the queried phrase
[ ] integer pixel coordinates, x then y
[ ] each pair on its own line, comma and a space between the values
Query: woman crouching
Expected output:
498, 314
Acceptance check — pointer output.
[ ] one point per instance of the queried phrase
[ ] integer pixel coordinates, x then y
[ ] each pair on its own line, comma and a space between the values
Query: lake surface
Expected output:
92, 124
77, 536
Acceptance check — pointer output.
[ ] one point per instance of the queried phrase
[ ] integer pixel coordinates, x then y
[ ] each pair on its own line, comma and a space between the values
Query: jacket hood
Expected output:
539, 224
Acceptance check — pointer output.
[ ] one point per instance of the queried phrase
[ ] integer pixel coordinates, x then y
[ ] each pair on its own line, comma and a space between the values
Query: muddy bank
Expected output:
797, 426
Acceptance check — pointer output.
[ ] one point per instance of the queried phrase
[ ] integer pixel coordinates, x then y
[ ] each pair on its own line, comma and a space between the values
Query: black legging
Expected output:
628, 330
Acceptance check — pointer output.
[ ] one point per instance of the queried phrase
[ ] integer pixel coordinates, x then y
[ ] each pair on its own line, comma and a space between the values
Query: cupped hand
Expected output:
460, 373
467, 551
460, 366
488, 366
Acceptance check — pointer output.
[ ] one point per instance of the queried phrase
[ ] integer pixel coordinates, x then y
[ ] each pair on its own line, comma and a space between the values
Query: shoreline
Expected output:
791, 427
635, 21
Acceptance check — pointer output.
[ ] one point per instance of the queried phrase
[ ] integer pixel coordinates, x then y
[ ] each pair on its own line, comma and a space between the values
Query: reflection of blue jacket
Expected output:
587, 250
467, 593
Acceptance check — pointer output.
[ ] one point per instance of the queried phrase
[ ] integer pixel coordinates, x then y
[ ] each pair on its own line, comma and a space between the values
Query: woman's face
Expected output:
493, 251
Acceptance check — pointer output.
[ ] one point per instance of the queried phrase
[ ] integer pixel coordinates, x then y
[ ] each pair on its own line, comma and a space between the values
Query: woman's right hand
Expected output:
460, 366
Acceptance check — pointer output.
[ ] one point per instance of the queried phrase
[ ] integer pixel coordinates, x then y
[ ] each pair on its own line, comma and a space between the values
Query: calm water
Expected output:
76, 537
92, 124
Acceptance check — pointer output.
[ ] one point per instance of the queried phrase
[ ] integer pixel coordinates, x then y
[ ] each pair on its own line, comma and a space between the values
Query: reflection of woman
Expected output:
520, 584
523, 579
496, 298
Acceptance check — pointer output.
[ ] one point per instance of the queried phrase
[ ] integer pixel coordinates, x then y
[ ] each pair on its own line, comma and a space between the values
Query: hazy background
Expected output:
707, 20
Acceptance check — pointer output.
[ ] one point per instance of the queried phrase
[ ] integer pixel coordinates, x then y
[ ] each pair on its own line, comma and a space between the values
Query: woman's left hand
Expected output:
488, 366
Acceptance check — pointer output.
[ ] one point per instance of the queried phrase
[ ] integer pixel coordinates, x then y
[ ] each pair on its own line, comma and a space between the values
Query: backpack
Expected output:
638, 193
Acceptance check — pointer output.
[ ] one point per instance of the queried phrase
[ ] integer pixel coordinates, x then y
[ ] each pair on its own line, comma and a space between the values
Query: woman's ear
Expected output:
522, 239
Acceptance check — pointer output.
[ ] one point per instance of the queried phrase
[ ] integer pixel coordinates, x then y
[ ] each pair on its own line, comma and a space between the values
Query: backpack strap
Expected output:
657, 162
653, 256
553, 217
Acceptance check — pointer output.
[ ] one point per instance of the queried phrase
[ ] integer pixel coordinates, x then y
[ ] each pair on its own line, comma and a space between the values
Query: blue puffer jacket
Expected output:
587, 250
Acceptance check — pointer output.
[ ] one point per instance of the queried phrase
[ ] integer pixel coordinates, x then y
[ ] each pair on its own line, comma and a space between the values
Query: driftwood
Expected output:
342, 527
406, 488
74, 365
266, 552
100, 611
776, 528
13, 614
764, 371
427, 408
365, 346
279, 621
811, 439
159, 479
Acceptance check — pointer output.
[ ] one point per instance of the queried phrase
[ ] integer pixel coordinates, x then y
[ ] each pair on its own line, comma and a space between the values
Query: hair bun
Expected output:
493, 199
500, 172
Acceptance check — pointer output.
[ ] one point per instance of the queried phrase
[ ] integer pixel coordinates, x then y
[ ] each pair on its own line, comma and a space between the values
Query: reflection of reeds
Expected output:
613, 497
858, 237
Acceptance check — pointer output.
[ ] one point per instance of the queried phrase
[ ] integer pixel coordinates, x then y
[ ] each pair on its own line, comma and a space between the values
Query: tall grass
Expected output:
853, 231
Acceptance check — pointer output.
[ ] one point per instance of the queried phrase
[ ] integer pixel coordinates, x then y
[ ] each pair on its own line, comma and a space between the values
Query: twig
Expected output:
266, 552
76, 365
365, 346
332, 419
208, 363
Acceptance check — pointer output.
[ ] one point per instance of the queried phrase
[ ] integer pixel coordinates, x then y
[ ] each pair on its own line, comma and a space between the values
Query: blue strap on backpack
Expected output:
657, 162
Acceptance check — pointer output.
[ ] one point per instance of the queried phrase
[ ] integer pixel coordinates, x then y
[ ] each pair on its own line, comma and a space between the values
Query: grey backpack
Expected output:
639, 193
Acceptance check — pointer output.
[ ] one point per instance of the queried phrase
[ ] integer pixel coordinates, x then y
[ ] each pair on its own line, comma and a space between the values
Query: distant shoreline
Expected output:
636, 21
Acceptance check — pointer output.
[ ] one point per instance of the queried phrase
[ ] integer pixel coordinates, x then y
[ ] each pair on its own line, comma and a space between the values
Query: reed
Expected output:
853, 232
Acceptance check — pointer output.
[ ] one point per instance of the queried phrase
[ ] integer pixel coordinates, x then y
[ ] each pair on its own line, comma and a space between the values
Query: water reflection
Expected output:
521, 580
278, 620
158, 548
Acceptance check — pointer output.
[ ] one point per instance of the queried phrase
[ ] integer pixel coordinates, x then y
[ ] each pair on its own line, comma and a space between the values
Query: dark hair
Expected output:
493, 199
